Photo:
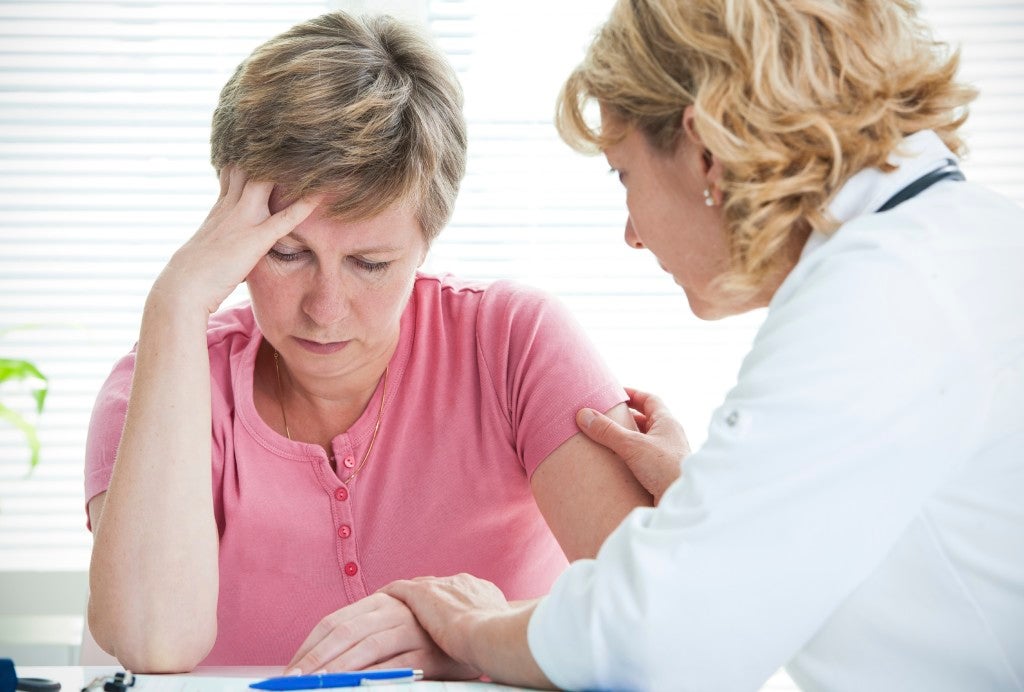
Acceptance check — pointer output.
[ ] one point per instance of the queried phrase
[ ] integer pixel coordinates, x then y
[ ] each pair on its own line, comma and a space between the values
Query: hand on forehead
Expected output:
279, 198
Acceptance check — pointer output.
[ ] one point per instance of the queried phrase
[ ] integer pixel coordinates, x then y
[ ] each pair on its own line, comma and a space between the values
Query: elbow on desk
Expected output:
166, 658
146, 648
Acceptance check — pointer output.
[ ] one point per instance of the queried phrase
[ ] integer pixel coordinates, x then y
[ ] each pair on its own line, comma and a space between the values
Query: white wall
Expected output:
41, 616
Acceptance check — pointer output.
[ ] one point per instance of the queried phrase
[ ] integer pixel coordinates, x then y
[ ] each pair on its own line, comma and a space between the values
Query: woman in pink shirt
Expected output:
359, 421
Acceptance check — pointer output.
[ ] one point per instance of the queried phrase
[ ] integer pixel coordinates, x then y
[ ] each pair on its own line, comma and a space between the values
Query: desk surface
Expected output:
206, 679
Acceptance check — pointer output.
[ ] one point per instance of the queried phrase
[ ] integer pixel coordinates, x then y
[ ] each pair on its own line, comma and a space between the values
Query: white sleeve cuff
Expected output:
557, 640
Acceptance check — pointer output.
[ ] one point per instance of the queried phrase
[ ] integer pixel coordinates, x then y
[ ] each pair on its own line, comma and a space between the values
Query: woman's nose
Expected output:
326, 300
632, 239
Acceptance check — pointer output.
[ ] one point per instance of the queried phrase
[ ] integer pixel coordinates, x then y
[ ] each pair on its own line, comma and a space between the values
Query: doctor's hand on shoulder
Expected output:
654, 451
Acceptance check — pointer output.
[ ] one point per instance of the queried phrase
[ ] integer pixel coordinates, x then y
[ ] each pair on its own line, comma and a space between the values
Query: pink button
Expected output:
341, 494
344, 530
349, 461
351, 568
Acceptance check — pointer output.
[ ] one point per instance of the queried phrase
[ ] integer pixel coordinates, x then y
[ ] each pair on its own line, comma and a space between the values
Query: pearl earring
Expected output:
708, 199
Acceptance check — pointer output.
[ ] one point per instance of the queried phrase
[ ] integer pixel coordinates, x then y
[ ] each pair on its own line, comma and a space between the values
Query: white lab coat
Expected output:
857, 511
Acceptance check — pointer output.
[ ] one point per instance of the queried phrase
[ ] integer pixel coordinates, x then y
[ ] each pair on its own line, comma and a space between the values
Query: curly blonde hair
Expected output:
362, 108
793, 97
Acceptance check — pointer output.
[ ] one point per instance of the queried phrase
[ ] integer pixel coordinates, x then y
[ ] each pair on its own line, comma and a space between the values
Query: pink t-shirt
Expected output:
483, 386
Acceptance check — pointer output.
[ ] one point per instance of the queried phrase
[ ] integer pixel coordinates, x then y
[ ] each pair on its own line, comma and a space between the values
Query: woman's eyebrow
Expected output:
376, 249
298, 237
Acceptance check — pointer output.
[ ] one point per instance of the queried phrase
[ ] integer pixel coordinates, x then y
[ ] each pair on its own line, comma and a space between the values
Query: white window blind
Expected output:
104, 116
104, 122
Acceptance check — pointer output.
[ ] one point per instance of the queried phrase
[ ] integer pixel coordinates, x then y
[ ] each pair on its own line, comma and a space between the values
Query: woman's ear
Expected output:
711, 167
690, 126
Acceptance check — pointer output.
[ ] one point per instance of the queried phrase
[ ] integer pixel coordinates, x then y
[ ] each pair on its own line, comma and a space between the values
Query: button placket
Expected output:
344, 531
348, 561
346, 548
342, 513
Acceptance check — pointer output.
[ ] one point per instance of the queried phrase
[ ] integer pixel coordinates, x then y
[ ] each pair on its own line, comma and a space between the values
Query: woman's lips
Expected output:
319, 348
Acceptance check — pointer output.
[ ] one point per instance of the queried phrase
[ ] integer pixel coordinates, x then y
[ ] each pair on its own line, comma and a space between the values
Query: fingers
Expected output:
367, 652
331, 636
254, 197
224, 176
606, 432
252, 207
284, 222
649, 404
404, 590
653, 452
232, 183
641, 421
447, 608
371, 630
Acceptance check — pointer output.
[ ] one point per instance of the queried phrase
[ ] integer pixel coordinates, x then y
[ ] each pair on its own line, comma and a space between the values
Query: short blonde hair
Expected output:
793, 97
362, 108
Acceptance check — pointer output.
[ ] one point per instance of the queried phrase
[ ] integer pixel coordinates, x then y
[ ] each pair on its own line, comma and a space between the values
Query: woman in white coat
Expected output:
856, 511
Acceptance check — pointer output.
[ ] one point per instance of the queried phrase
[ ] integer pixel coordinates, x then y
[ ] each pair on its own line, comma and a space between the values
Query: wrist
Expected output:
498, 646
171, 318
184, 284
174, 300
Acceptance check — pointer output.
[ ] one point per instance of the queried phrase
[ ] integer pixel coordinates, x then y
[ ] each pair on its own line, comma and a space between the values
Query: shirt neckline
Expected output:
359, 432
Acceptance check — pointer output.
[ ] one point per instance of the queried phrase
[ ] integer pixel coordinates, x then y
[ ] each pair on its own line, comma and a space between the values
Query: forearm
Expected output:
154, 571
498, 646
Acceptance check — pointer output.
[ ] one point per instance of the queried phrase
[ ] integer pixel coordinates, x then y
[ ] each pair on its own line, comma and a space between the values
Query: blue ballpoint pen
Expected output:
353, 679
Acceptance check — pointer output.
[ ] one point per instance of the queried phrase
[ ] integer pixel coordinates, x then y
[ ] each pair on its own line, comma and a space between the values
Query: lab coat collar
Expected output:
918, 154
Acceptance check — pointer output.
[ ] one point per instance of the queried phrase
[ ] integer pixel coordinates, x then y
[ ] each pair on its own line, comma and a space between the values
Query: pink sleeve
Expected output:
105, 428
543, 366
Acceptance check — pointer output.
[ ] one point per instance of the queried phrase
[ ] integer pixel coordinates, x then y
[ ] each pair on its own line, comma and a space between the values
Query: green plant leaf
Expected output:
17, 369
40, 396
18, 421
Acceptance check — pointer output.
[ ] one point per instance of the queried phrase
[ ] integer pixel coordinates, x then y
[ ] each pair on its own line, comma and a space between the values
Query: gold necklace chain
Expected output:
376, 425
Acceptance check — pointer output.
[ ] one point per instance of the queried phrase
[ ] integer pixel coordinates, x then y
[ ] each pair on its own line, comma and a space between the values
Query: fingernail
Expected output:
587, 416
293, 671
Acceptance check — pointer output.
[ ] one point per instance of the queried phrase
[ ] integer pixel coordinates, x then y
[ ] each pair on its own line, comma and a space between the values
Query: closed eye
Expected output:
285, 256
369, 266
